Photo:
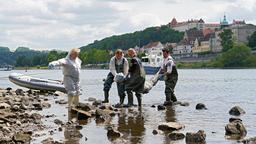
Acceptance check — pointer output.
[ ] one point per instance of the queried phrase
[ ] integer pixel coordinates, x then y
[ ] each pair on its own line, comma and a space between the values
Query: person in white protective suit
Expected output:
71, 66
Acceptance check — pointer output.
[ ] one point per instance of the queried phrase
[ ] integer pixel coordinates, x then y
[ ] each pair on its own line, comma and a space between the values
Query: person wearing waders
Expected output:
135, 79
169, 70
71, 66
118, 65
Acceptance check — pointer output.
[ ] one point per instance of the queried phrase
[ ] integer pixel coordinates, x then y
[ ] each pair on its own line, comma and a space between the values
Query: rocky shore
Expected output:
21, 121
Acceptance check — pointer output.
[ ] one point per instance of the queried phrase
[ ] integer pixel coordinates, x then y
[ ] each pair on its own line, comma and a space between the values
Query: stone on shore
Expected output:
235, 129
113, 134
22, 138
201, 106
236, 111
160, 107
196, 138
176, 136
170, 126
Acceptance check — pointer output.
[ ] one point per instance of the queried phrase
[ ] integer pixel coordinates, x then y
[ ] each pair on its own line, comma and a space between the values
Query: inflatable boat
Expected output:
36, 83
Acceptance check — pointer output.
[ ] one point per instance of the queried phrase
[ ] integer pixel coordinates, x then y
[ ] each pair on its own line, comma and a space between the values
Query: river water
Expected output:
219, 90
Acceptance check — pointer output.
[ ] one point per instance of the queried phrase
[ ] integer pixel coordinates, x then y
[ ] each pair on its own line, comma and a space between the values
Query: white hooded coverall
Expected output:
71, 71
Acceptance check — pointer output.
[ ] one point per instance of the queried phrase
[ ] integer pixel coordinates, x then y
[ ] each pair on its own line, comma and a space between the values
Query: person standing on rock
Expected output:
118, 66
169, 70
71, 66
135, 79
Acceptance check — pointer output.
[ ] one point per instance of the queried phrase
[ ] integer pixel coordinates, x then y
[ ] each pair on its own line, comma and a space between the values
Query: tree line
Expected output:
99, 52
139, 38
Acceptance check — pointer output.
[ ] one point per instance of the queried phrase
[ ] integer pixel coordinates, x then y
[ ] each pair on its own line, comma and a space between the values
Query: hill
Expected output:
163, 34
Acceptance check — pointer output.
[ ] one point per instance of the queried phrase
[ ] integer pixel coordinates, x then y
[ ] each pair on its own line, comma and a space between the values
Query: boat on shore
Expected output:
36, 83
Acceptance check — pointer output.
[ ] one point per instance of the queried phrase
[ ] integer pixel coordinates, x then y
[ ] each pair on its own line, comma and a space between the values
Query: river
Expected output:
218, 89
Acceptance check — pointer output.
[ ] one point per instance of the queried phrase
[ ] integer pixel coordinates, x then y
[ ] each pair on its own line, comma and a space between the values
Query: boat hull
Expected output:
36, 83
151, 70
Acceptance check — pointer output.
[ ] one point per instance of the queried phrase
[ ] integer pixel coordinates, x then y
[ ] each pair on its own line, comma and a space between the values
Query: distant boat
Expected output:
151, 63
36, 83
6, 68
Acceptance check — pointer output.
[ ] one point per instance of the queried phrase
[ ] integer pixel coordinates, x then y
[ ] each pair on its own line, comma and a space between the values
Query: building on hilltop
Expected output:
224, 22
183, 26
192, 24
241, 32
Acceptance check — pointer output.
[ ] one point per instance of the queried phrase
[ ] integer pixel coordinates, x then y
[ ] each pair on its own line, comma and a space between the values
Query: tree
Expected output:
236, 56
252, 41
226, 40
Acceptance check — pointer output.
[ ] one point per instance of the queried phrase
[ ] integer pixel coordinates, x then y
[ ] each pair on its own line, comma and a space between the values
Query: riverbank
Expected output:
43, 117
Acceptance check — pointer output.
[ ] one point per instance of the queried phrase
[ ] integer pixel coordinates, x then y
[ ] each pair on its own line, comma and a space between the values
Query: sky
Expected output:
64, 24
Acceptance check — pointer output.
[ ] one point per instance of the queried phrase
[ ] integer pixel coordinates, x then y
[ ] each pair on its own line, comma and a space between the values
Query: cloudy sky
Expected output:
63, 24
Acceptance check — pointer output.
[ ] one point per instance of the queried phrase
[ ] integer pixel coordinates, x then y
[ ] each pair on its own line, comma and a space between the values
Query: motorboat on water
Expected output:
36, 83
151, 63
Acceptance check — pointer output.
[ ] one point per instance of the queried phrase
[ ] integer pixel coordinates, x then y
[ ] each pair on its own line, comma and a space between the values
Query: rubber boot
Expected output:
122, 100
167, 99
106, 95
130, 99
139, 99
173, 98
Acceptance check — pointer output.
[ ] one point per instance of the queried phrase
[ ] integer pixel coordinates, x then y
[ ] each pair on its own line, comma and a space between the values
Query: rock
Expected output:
113, 134
85, 106
9, 88
235, 127
170, 126
201, 106
236, 111
58, 122
4, 106
176, 136
160, 107
184, 104
62, 101
29, 91
37, 106
22, 138
198, 137
49, 140
155, 132
91, 99
97, 102
46, 105
36, 116
248, 141
234, 119
153, 106
81, 114
19, 92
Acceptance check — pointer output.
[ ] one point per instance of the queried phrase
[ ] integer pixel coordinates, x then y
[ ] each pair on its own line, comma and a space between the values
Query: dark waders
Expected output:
135, 82
170, 83
120, 86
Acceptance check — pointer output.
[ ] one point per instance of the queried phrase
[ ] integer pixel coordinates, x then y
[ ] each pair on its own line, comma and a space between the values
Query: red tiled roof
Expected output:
207, 31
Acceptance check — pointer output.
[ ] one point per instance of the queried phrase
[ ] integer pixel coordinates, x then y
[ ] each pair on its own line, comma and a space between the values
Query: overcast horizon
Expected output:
61, 25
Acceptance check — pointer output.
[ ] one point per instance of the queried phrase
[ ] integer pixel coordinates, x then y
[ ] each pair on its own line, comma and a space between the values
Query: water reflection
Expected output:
131, 124
169, 117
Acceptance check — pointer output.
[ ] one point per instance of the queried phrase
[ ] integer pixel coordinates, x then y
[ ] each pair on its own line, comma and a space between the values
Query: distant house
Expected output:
183, 47
201, 46
191, 35
154, 48
211, 42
